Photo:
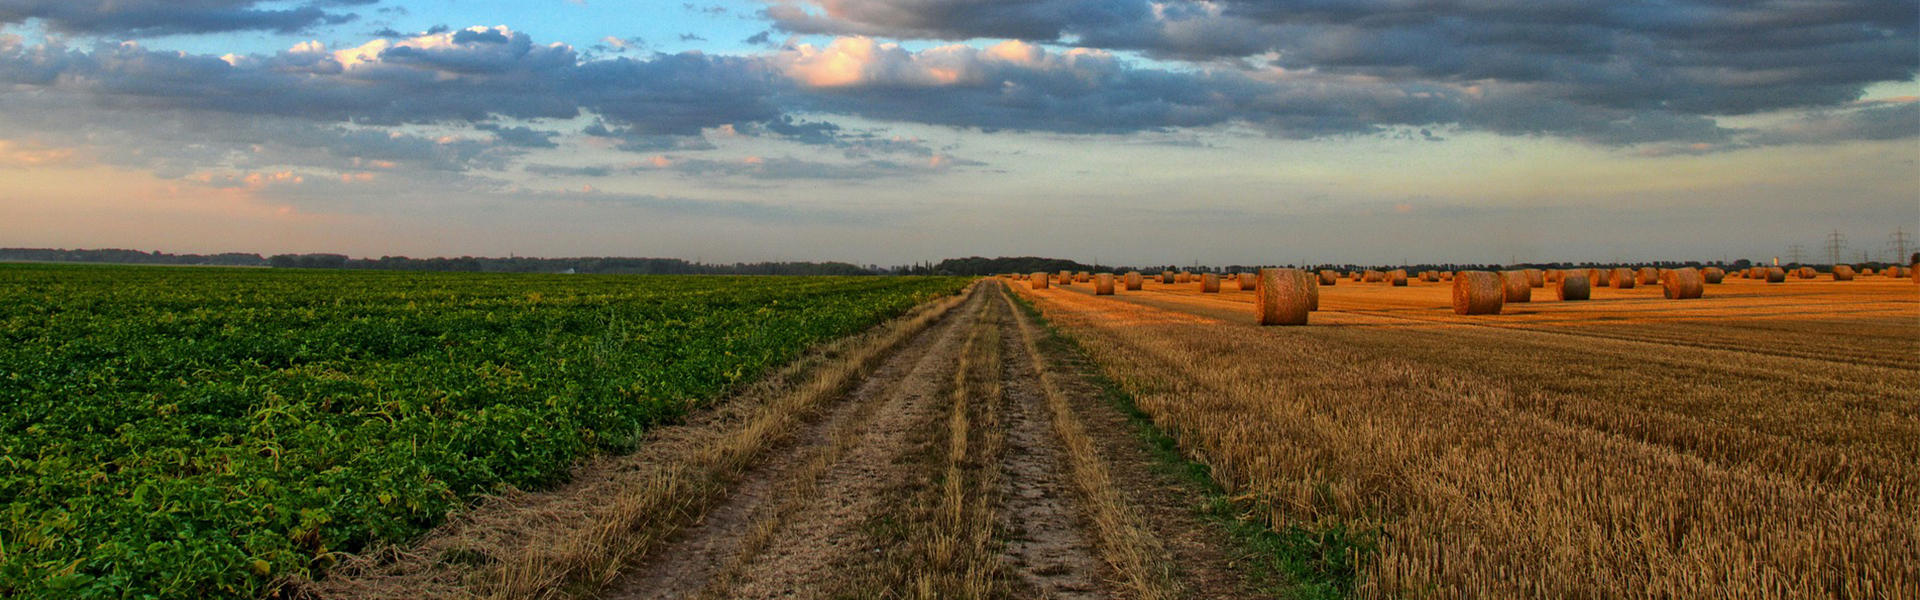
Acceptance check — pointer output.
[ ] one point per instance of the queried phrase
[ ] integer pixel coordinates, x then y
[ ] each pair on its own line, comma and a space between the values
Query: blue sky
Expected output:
1230, 131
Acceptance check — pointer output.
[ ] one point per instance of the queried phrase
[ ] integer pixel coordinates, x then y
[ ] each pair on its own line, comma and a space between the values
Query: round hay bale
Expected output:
1842, 273
1536, 278
1622, 278
1776, 275
1209, 283
1517, 287
1354, 276
1712, 275
1574, 287
1313, 290
1103, 284
1373, 276
1446, 276
1329, 277
1167, 277
1598, 278
1478, 293
1807, 273
1039, 281
1133, 281
1430, 276
1247, 281
1895, 272
1647, 276
1682, 284
1397, 278
1280, 297
1082, 277
1553, 276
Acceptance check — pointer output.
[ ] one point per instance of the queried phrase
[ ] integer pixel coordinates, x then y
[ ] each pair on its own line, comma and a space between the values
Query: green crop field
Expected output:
179, 432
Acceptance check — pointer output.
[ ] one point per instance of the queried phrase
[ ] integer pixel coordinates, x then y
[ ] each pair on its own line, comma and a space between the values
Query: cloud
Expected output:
466, 76
148, 18
766, 168
1586, 59
1025, 87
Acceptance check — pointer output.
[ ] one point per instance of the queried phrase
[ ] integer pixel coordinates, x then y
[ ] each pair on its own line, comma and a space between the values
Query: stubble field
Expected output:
1761, 442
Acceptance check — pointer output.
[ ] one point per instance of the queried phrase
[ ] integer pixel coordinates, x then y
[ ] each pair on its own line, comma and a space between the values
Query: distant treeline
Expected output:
132, 257
592, 265
974, 266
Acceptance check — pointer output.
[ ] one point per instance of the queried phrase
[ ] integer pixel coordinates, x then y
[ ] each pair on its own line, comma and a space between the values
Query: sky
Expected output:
893, 131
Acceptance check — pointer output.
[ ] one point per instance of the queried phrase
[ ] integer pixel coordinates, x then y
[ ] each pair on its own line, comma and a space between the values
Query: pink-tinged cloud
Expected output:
30, 154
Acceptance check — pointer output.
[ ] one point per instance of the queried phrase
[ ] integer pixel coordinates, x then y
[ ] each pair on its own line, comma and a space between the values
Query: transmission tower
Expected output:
1898, 242
1836, 243
1793, 254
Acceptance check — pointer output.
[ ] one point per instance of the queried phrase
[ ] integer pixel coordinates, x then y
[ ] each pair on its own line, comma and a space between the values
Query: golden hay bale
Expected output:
1776, 275
1329, 277
1280, 297
1313, 289
1103, 284
1372, 276
1039, 281
1478, 293
1808, 273
1574, 286
1248, 281
1898, 271
1082, 277
1133, 281
1598, 278
1517, 287
1867, 271
1397, 278
1553, 276
1446, 276
1209, 283
1182, 277
1713, 275
1535, 277
1842, 273
1168, 276
1430, 276
1647, 276
1622, 278
1356, 276
1682, 284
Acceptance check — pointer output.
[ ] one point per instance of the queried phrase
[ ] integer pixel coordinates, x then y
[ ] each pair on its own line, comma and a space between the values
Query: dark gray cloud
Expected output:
147, 18
1630, 64
465, 76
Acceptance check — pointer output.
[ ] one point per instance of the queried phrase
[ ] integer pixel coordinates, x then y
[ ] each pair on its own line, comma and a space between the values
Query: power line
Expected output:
1899, 241
1835, 244
1793, 254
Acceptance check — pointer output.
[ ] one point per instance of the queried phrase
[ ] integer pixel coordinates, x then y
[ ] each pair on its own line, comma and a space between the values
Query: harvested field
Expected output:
1758, 442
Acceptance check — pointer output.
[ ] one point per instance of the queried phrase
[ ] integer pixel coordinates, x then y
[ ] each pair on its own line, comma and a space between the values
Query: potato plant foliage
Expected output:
169, 432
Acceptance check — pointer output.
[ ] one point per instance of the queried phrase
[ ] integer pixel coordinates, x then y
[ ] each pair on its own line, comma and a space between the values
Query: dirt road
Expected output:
965, 465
